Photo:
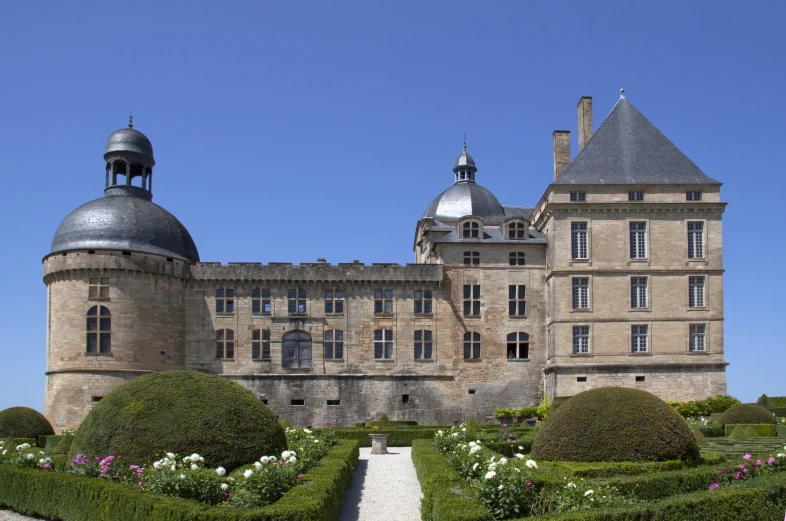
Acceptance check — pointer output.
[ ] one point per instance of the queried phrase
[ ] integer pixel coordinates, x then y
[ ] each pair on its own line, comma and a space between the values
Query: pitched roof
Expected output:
628, 149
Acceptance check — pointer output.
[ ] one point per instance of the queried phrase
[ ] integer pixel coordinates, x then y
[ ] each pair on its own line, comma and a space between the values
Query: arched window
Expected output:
518, 346
296, 349
225, 343
471, 345
99, 330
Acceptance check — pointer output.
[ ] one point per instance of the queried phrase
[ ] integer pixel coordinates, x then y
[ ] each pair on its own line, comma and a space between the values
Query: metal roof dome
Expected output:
129, 140
464, 199
464, 161
124, 220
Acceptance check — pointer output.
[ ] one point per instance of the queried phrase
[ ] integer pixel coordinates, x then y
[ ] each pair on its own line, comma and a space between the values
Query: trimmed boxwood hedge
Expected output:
23, 422
711, 431
446, 495
746, 413
396, 438
762, 429
72, 497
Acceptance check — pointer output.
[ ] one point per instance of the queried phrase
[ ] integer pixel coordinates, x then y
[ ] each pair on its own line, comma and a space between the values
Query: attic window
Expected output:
334, 403
693, 196
297, 402
639, 378
470, 230
125, 252
578, 196
581, 378
635, 196
471, 391
517, 230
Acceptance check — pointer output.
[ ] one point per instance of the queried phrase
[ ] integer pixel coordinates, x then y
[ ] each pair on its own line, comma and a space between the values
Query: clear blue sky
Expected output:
289, 131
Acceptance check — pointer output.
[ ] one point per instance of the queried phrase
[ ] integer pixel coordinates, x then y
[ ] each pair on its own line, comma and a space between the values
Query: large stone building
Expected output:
615, 277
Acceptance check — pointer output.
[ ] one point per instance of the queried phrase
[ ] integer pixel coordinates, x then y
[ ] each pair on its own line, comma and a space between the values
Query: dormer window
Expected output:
517, 230
471, 228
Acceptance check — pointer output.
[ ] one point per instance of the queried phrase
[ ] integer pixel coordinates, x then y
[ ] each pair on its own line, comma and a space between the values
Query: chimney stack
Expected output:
561, 152
584, 108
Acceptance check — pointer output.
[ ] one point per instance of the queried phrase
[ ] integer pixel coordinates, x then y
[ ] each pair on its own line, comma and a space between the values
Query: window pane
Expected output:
230, 334
92, 342
301, 307
230, 306
339, 294
467, 291
266, 293
106, 324
522, 291
418, 350
328, 335
328, 349
92, 324
378, 334
266, 334
329, 306
418, 294
512, 308
418, 334
254, 349
377, 306
266, 307
427, 294
388, 334
328, 294
230, 349
301, 293
255, 306
219, 306
377, 349
522, 308
467, 350
476, 307
388, 306
388, 293
475, 291
255, 293
339, 306
476, 351
427, 306
230, 293
339, 350
220, 293
467, 307
427, 334
418, 306
511, 292
427, 350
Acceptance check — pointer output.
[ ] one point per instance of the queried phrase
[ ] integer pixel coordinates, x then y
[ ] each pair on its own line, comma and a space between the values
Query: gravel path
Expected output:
8, 515
384, 488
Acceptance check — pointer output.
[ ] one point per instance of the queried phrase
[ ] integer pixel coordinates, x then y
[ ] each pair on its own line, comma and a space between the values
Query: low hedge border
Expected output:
76, 498
763, 498
446, 495
396, 438
781, 430
762, 429
711, 431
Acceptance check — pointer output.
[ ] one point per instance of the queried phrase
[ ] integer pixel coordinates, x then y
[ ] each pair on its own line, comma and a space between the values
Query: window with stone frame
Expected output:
518, 346
296, 301
692, 195
578, 196
516, 258
635, 196
423, 344
98, 289
472, 257
260, 301
225, 300
471, 345
578, 241
333, 340
517, 230
260, 344
638, 338
697, 341
99, 330
580, 292
638, 240
696, 240
225, 344
334, 301
423, 301
383, 344
517, 300
471, 300
470, 230
581, 340
696, 292
638, 292
383, 301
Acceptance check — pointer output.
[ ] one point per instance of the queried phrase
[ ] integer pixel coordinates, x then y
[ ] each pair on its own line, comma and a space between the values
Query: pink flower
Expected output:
713, 486
528, 484
738, 475
746, 457
720, 471
301, 476
740, 466
504, 425
771, 460
759, 462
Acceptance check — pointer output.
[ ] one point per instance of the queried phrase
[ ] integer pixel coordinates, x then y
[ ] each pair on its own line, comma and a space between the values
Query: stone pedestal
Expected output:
379, 443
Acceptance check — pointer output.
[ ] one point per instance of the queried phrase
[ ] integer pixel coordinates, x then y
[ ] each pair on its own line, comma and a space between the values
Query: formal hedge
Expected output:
446, 495
181, 412
781, 431
746, 413
396, 438
712, 405
509, 449
711, 431
615, 424
762, 429
50, 442
389, 424
23, 422
73, 497
64, 445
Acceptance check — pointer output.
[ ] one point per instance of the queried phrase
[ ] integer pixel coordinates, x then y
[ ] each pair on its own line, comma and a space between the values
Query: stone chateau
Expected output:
614, 277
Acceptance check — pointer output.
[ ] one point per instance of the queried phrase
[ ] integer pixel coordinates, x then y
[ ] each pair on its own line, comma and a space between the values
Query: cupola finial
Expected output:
465, 141
130, 120
622, 93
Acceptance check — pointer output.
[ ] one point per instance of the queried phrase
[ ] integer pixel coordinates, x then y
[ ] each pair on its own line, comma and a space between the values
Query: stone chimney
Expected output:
561, 152
584, 108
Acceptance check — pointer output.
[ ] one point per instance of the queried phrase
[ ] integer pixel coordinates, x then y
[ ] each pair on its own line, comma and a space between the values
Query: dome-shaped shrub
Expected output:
746, 413
181, 412
615, 424
23, 422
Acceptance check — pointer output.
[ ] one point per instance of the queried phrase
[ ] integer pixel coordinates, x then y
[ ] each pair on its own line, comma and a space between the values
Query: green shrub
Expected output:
544, 409
18, 441
446, 495
781, 431
780, 412
182, 412
50, 442
764, 401
472, 424
522, 413
64, 445
760, 429
701, 440
712, 405
738, 433
711, 431
286, 424
23, 422
615, 424
384, 418
751, 432
396, 438
746, 413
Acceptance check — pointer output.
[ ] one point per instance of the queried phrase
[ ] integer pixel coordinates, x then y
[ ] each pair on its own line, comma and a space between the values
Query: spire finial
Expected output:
465, 141
622, 93
130, 120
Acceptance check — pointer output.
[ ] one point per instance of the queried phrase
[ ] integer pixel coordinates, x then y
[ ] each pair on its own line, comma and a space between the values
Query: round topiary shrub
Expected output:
615, 424
181, 412
746, 413
23, 422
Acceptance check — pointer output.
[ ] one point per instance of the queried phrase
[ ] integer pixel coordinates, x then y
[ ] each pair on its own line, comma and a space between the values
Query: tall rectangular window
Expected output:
383, 343
296, 301
225, 300
423, 301
695, 240
693, 196
471, 345
581, 339
635, 196
638, 339
334, 344
471, 257
260, 344
225, 343
638, 240
518, 346
638, 292
260, 301
517, 300
334, 301
581, 293
383, 301
516, 258
471, 300
578, 196
423, 344
578, 241
98, 288
696, 292
697, 341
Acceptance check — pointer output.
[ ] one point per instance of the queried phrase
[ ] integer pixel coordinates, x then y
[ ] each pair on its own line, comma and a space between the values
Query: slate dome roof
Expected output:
125, 220
464, 199
464, 160
129, 140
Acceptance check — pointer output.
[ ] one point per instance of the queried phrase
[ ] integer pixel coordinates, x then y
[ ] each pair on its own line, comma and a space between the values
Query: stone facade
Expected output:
499, 308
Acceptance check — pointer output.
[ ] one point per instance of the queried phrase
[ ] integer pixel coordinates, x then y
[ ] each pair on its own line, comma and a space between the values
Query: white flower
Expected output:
272, 459
248, 473
265, 460
521, 448
589, 493
22, 447
439, 433
5, 452
519, 455
30, 456
292, 459
221, 471
463, 429
42, 461
780, 455
531, 464
472, 444
490, 474
307, 431
455, 434
157, 465
194, 466
316, 441
258, 465
474, 449
196, 457
502, 461
224, 486
286, 454
170, 455
182, 476
172, 468
517, 469
571, 485
500, 487
475, 466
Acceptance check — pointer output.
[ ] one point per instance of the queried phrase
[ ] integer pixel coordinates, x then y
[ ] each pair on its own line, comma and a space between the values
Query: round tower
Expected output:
115, 280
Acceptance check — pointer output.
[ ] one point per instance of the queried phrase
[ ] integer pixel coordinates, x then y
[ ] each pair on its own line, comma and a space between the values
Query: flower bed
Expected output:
120, 496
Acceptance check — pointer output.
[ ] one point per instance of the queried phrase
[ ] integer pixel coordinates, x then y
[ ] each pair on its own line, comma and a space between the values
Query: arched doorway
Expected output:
296, 349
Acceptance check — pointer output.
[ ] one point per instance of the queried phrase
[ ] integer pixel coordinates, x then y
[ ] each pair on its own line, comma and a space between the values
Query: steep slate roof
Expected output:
628, 149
